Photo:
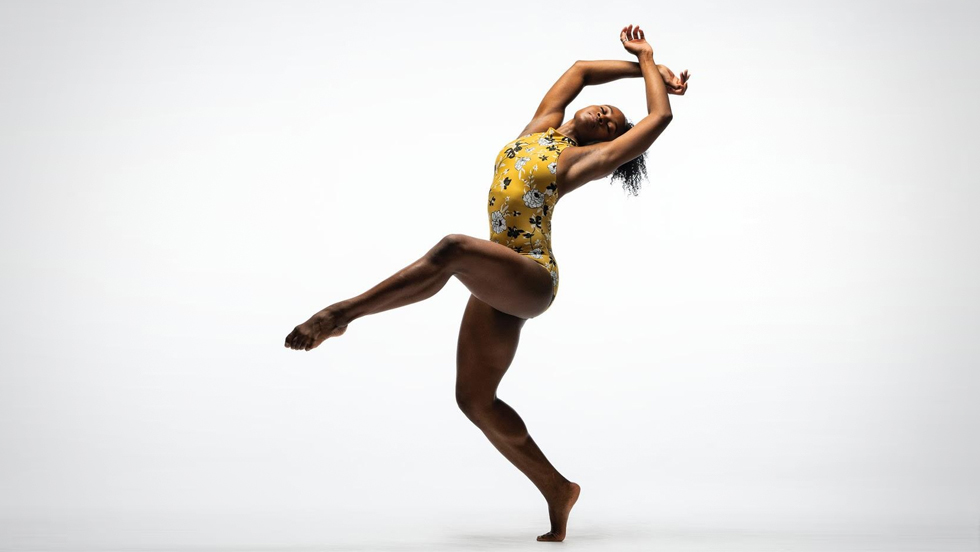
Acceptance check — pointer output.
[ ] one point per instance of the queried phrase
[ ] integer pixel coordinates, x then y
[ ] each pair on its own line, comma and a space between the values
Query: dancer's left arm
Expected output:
584, 73
603, 71
561, 94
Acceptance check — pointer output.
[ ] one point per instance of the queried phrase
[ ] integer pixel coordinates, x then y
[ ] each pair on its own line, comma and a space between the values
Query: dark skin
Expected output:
508, 288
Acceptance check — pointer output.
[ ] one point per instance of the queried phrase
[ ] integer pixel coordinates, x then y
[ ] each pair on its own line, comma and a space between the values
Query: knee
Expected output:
448, 248
474, 406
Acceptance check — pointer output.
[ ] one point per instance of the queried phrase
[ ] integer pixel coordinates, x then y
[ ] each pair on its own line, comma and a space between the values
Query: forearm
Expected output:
657, 102
603, 71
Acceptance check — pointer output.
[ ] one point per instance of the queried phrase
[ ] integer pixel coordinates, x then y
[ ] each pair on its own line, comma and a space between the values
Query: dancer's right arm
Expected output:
641, 136
601, 159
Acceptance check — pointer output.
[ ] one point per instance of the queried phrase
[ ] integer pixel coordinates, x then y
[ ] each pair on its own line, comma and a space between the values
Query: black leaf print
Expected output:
536, 220
528, 234
506, 182
513, 231
553, 187
516, 214
543, 157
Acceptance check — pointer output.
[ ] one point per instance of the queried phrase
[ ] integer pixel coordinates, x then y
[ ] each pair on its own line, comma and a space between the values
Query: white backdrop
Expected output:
778, 334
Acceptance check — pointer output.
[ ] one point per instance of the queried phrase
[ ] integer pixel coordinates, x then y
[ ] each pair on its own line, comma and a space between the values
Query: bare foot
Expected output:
313, 332
558, 510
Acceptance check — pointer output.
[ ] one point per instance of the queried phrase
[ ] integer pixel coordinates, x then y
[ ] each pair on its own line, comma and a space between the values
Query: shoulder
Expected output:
541, 124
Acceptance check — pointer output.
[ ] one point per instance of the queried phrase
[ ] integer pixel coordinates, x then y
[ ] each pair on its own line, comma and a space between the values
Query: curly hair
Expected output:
631, 172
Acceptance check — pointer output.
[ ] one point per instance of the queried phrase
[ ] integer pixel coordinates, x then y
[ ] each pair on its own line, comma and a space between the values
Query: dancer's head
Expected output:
598, 123
602, 123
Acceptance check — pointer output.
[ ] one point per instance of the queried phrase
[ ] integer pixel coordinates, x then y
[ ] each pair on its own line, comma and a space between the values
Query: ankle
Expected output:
341, 313
558, 485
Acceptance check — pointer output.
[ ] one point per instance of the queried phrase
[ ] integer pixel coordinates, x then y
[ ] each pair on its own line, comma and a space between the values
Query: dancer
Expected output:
513, 276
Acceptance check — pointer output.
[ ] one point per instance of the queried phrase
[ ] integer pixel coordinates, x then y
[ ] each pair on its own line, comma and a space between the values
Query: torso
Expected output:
523, 195
568, 157
525, 189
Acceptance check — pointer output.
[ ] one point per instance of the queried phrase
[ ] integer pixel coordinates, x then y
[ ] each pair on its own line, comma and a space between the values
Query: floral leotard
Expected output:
523, 196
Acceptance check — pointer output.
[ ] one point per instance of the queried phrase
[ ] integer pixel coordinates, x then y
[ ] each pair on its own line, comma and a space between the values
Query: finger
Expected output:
629, 32
641, 35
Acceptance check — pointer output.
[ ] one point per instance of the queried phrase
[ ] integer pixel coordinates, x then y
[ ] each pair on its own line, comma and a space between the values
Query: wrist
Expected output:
645, 56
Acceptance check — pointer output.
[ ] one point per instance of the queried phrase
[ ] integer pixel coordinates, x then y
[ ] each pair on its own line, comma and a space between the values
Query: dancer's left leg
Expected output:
498, 275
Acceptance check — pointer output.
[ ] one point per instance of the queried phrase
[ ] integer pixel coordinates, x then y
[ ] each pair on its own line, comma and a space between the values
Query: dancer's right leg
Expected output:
487, 345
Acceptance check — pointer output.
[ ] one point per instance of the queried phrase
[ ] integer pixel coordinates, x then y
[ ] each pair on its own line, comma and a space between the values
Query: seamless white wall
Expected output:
781, 328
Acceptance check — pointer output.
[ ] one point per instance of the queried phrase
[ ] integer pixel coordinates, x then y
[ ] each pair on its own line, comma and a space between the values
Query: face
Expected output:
599, 123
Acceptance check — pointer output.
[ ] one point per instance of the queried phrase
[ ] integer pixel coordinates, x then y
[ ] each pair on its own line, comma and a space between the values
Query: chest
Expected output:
529, 163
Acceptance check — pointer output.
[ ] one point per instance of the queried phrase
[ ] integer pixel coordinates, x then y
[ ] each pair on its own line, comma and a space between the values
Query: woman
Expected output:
504, 274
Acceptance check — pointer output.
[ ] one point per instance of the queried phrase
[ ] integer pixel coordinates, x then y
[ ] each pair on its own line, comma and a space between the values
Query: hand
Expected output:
634, 42
675, 85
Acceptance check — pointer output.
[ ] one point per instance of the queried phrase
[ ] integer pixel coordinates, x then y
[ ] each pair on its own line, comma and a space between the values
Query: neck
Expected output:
568, 129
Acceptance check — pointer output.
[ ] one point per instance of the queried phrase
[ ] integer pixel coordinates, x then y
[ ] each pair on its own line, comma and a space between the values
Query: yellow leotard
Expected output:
523, 196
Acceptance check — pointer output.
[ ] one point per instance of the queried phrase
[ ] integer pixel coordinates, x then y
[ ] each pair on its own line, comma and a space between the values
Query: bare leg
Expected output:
487, 344
495, 273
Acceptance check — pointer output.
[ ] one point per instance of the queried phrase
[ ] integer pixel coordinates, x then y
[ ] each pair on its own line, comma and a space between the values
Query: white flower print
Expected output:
536, 253
533, 199
554, 278
520, 162
553, 167
546, 140
497, 222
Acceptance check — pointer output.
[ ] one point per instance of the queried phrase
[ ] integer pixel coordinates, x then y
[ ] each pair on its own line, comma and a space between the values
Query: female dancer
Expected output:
513, 276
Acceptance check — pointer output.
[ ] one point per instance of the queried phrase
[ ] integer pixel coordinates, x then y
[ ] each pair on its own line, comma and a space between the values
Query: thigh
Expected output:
487, 344
501, 277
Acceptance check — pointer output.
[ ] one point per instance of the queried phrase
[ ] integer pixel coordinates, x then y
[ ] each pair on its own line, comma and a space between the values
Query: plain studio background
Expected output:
775, 340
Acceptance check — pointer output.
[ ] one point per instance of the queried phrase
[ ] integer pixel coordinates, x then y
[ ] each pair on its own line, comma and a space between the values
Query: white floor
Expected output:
451, 534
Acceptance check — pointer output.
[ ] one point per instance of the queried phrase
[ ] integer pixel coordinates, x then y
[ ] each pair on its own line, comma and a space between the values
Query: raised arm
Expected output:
582, 73
638, 139
598, 160
551, 110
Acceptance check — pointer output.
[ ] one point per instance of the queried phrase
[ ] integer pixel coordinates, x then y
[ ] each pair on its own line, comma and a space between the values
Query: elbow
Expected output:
662, 118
